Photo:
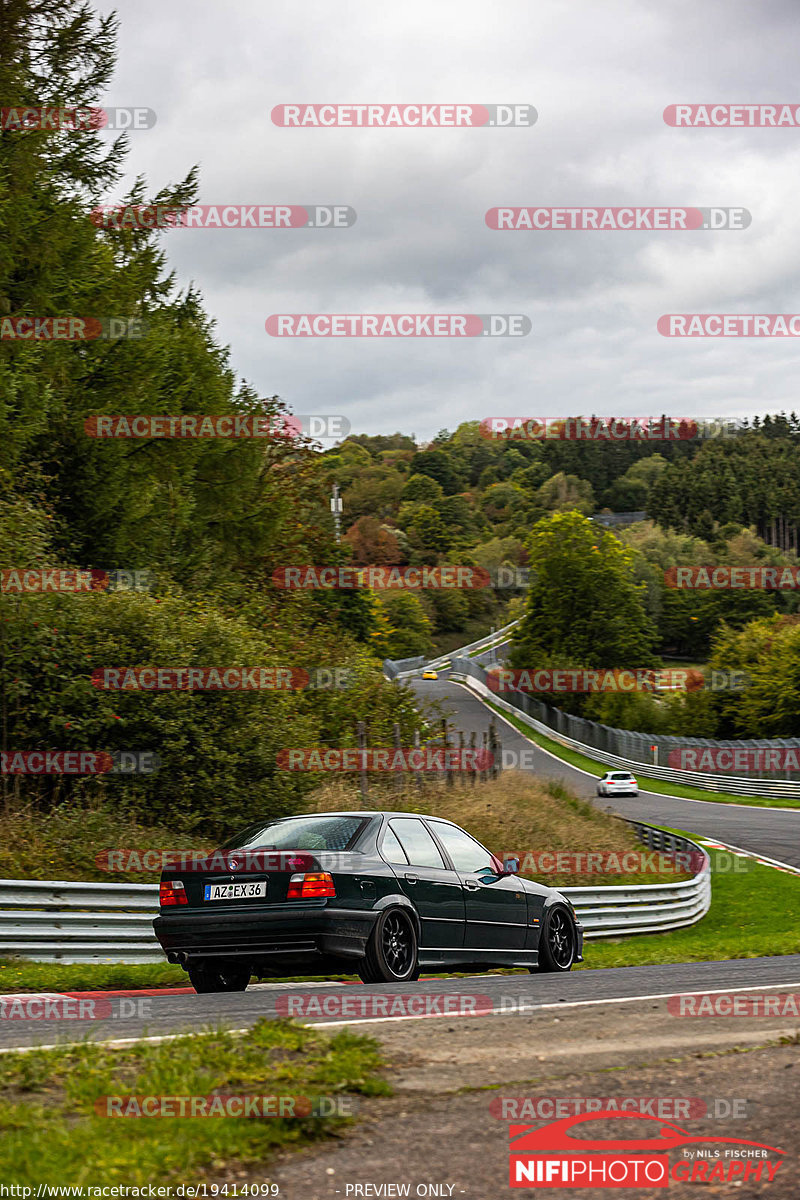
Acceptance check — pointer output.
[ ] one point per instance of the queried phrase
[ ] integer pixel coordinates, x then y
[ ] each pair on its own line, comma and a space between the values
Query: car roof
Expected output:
369, 812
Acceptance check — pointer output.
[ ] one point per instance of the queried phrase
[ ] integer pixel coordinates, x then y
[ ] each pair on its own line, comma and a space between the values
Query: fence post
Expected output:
398, 777
448, 774
362, 745
494, 746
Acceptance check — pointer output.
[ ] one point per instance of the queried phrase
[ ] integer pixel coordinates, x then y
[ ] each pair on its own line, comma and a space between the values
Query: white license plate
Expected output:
234, 891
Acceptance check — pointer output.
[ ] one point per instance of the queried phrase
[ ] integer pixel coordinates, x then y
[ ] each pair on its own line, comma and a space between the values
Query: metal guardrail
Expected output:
470, 673
403, 669
111, 922
79, 922
484, 643
647, 908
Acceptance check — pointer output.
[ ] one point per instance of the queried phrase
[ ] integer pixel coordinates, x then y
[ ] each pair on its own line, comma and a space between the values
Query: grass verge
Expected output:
50, 1132
752, 915
19, 975
658, 786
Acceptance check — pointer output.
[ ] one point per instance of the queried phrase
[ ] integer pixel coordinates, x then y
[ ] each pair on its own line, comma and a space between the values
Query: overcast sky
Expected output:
599, 76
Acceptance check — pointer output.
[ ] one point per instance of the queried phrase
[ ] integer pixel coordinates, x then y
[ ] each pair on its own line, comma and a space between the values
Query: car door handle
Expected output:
412, 878
471, 885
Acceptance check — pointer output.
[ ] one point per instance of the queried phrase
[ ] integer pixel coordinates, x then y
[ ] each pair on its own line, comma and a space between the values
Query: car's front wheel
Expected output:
392, 950
208, 977
558, 941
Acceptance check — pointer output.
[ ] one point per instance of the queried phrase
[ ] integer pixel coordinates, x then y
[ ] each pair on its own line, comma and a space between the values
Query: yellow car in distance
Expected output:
430, 675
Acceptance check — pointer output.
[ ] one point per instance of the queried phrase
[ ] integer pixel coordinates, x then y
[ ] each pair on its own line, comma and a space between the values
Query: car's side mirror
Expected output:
509, 865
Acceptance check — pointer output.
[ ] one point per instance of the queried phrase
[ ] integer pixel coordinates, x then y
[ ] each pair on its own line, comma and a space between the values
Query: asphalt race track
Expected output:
772, 832
181, 1012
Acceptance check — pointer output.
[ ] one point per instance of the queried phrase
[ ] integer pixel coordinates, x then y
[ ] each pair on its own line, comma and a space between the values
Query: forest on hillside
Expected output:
212, 519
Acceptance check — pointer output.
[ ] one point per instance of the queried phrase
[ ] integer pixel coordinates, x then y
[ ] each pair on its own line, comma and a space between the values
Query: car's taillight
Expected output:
310, 886
172, 892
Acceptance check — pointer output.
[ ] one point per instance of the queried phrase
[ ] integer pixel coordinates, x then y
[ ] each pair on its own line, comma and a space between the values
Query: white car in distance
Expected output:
617, 783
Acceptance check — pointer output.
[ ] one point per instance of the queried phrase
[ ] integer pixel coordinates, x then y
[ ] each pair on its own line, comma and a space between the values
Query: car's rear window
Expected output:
300, 833
622, 775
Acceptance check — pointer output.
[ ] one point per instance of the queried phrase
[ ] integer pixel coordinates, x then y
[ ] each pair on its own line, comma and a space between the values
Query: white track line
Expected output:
560, 1004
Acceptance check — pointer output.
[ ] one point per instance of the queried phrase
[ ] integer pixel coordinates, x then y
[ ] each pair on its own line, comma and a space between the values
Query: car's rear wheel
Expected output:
210, 977
557, 942
392, 950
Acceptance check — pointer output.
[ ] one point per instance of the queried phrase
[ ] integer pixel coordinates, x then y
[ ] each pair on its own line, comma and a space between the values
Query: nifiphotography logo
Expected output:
552, 1156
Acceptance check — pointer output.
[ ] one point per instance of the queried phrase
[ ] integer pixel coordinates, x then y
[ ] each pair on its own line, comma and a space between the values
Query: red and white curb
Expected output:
775, 863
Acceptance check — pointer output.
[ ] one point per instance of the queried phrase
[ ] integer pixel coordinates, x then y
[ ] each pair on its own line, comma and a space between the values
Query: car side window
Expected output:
391, 849
418, 844
466, 853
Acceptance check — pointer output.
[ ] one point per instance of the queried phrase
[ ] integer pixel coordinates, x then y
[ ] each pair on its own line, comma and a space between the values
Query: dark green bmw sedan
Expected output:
381, 894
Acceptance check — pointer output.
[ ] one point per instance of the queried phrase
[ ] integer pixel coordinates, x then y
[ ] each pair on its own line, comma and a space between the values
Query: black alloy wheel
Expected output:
391, 955
557, 942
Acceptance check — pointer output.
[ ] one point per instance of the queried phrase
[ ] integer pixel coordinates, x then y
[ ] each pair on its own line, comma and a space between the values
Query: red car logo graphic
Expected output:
556, 1137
